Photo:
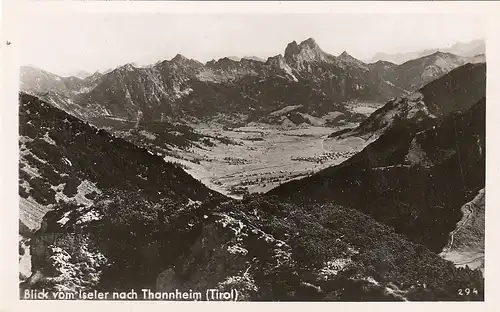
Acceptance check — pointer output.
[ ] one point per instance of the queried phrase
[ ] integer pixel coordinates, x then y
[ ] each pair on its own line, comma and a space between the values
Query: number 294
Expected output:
467, 291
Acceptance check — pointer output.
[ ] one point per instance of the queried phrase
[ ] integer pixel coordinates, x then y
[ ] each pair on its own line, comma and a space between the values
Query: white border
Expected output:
13, 12
264, 7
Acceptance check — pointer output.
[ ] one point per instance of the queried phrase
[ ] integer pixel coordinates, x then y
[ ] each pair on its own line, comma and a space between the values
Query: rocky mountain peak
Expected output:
128, 67
179, 58
310, 43
292, 49
275, 60
382, 62
440, 54
224, 63
94, 77
348, 59
97, 74
308, 51
346, 55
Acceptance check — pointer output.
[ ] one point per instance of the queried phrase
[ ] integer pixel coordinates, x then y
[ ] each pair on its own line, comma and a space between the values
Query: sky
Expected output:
64, 43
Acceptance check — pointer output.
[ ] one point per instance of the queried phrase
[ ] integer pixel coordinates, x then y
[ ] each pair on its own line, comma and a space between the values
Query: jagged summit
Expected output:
94, 77
291, 49
311, 43
226, 59
307, 51
275, 60
222, 63
307, 45
179, 58
128, 67
348, 59
345, 54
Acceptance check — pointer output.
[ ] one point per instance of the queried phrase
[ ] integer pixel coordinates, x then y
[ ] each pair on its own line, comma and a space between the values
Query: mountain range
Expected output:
456, 91
304, 76
465, 49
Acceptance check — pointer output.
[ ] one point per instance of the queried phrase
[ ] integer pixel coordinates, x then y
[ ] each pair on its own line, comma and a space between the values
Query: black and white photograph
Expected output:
314, 157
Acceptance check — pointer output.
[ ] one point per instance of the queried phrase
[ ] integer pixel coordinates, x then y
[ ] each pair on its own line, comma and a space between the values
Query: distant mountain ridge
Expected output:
244, 89
416, 73
453, 92
469, 49
82, 74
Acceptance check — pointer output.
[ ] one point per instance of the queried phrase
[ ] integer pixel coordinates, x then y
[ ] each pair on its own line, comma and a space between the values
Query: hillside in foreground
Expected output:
65, 159
264, 249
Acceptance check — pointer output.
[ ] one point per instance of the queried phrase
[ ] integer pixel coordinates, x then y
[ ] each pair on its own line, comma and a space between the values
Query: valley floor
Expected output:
264, 157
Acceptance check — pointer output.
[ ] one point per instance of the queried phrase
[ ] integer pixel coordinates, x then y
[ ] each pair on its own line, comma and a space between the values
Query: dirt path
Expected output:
391, 167
467, 211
